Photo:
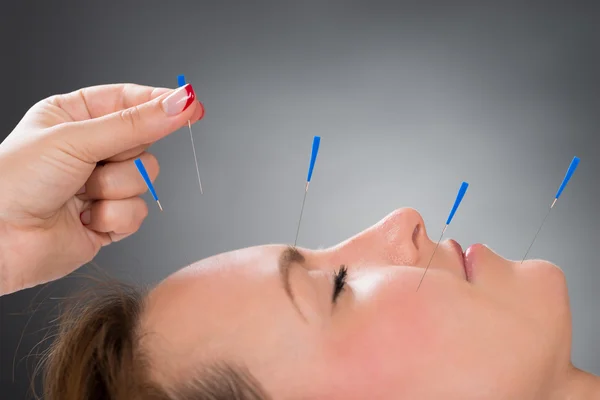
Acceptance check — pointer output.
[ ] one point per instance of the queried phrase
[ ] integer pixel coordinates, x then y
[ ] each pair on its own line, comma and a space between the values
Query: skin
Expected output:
69, 181
503, 334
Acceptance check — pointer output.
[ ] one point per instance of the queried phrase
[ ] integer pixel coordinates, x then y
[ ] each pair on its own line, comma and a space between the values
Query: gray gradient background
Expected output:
409, 99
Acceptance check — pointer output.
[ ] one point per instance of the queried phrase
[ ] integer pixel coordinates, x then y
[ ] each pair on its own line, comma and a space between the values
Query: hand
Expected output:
68, 182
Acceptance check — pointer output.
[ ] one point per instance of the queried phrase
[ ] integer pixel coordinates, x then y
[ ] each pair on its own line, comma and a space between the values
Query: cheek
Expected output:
401, 343
385, 341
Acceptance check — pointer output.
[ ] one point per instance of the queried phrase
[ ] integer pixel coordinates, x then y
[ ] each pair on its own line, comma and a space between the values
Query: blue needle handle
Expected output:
459, 198
568, 175
142, 170
313, 156
181, 80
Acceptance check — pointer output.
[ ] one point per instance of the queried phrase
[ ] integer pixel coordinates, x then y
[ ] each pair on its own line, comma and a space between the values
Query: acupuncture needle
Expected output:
142, 171
566, 179
311, 166
461, 193
181, 82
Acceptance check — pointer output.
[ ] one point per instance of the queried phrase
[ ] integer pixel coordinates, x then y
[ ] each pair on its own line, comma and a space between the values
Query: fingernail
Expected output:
179, 100
85, 217
81, 191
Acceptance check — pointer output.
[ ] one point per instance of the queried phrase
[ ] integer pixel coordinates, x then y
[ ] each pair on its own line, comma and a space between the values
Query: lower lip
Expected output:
471, 258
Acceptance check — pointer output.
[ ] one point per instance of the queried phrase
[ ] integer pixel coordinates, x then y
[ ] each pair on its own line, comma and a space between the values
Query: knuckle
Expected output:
106, 182
132, 117
110, 215
54, 100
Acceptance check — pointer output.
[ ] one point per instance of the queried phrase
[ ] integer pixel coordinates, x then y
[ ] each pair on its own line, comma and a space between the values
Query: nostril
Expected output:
415, 235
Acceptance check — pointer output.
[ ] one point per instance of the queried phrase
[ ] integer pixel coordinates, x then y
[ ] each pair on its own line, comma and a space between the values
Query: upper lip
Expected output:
460, 252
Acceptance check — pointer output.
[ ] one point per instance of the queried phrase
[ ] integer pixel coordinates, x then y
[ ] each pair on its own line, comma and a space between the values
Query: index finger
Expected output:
98, 101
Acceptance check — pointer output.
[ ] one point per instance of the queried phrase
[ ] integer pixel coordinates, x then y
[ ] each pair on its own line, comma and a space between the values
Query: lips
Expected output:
458, 248
471, 258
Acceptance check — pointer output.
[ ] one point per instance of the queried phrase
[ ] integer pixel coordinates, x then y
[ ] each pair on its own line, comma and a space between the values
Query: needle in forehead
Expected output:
311, 166
461, 193
566, 179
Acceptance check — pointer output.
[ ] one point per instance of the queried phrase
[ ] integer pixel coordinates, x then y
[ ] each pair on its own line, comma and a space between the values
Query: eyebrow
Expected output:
289, 258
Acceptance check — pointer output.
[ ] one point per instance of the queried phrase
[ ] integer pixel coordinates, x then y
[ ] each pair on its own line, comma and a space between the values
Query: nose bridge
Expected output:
392, 241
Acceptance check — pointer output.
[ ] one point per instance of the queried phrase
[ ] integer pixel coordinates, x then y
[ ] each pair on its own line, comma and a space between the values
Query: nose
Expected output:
395, 240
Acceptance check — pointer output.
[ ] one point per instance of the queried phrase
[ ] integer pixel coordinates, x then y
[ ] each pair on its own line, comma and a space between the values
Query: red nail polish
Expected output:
191, 96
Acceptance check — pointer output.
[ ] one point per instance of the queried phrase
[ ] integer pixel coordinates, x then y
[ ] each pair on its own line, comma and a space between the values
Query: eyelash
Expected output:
339, 282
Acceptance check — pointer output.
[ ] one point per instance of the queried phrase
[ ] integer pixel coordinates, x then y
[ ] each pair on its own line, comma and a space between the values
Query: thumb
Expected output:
104, 137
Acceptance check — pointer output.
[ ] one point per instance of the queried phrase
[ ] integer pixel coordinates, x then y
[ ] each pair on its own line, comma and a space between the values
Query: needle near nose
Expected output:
461, 193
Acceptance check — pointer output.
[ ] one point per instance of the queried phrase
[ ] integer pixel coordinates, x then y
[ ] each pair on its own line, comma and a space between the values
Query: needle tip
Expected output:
159, 206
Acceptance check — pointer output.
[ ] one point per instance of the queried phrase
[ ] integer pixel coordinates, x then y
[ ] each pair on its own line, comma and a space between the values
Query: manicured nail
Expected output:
81, 191
85, 217
179, 100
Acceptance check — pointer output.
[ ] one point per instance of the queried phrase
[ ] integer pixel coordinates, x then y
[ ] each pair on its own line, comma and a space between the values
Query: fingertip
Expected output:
152, 165
198, 113
144, 210
200, 110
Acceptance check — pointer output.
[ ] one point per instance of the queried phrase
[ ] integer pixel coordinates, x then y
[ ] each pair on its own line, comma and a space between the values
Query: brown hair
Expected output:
96, 355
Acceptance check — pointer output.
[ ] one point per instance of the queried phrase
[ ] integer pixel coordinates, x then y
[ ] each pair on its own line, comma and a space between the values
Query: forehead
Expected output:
216, 280
256, 259
219, 305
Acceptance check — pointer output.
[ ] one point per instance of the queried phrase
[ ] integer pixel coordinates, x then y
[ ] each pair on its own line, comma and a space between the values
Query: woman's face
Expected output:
479, 327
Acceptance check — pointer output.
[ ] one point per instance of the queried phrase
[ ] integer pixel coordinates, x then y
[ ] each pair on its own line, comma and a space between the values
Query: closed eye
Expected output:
339, 282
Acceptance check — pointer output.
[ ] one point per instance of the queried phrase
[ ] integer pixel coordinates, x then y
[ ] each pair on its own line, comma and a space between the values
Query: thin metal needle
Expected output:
195, 157
301, 211
459, 197
311, 166
538, 231
181, 82
432, 254
159, 206
570, 171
